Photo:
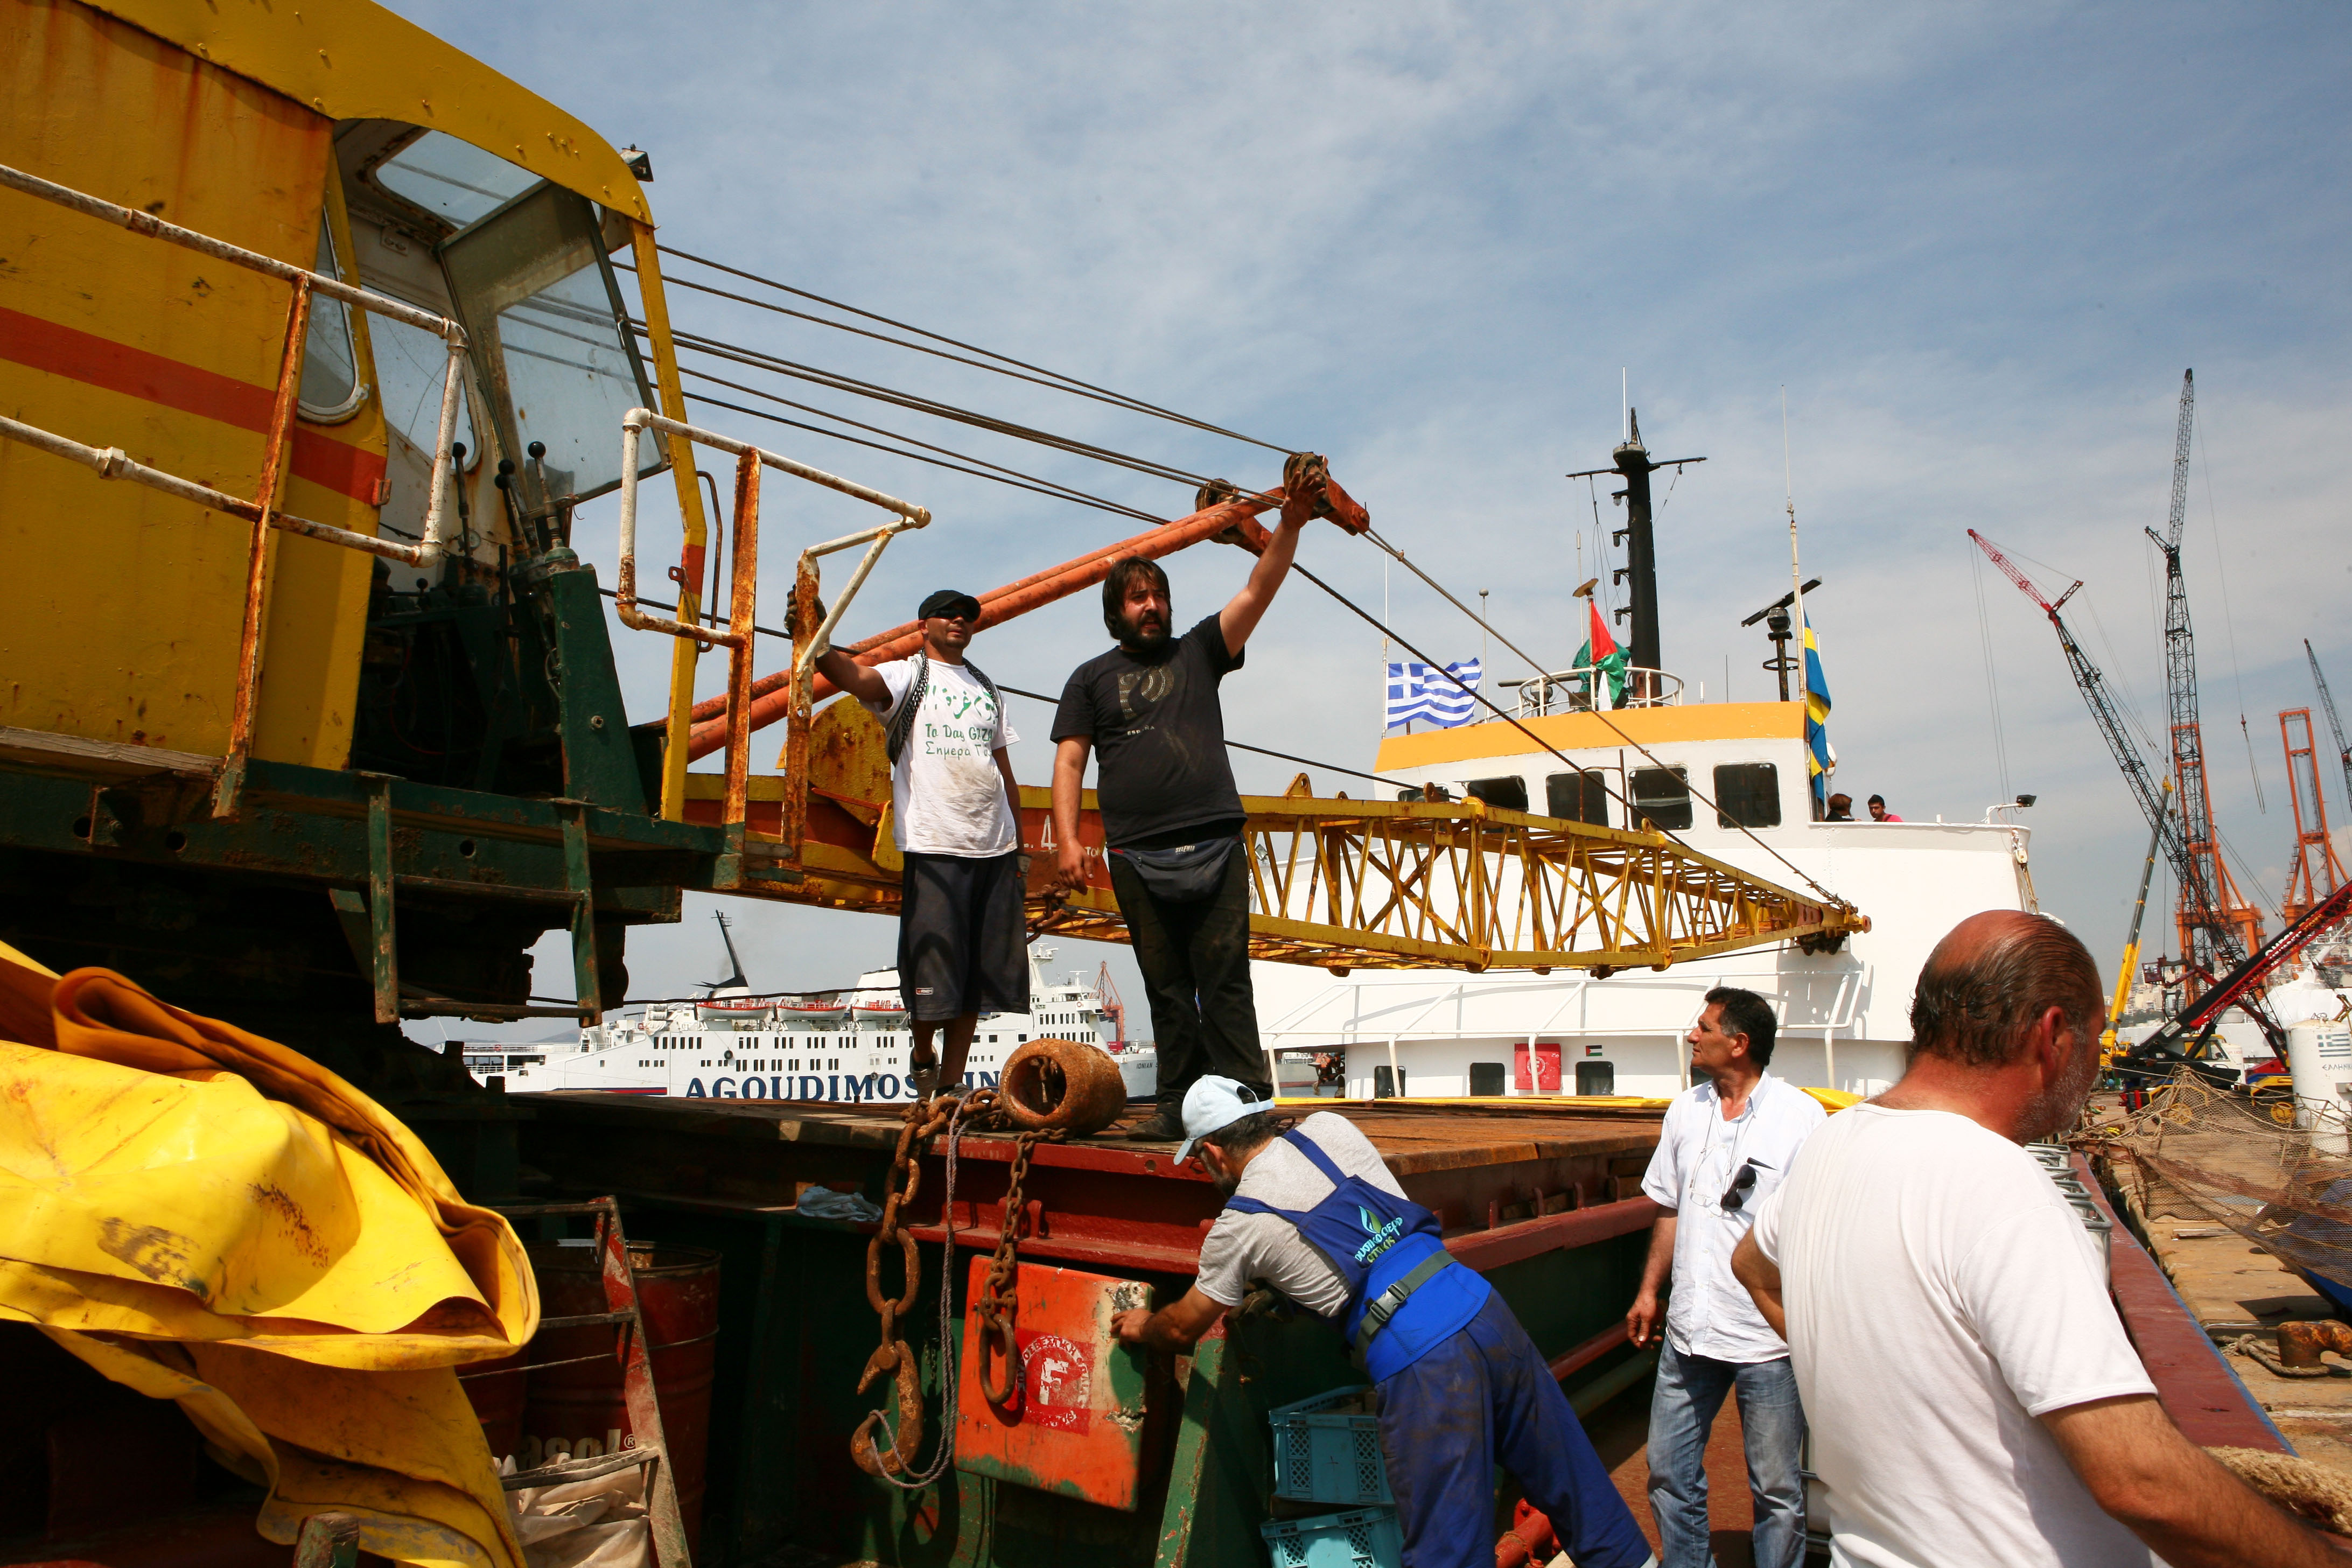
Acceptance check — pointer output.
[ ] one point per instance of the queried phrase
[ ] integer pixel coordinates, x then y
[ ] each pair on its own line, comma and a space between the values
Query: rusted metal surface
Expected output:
1080, 1418
771, 693
997, 1305
2300, 1341
742, 612
1063, 1085
576, 1406
257, 567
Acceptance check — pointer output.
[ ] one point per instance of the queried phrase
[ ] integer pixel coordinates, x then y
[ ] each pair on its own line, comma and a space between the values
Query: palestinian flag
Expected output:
1602, 656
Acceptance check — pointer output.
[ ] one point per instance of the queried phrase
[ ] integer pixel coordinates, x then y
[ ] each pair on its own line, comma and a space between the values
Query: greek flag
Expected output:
1422, 691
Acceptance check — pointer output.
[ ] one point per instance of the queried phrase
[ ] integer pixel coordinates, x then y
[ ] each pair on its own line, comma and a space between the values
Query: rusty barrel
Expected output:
496, 1391
575, 1405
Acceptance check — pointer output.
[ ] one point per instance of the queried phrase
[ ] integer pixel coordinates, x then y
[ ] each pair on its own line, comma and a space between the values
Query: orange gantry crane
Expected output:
2314, 862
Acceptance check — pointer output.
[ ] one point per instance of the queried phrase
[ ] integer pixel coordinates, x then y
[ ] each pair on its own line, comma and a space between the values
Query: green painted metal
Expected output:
600, 764
383, 945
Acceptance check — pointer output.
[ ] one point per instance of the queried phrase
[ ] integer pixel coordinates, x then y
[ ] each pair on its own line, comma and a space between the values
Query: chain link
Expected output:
892, 1357
998, 1305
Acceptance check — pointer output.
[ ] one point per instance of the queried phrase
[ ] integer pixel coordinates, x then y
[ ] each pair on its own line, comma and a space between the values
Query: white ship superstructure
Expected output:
1845, 1014
842, 1047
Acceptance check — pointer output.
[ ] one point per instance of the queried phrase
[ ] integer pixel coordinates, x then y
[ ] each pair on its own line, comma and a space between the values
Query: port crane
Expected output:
2314, 871
2218, 927
2335, 725
2153, 793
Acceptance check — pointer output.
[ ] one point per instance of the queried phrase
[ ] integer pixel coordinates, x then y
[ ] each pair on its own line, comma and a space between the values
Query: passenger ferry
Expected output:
840, 1047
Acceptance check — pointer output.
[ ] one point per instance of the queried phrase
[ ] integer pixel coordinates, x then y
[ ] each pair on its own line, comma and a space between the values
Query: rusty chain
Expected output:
893, 1358
997, 1305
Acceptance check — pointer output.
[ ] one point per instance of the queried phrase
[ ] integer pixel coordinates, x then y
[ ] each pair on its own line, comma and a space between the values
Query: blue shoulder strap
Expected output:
1322, 1161
1252, 1206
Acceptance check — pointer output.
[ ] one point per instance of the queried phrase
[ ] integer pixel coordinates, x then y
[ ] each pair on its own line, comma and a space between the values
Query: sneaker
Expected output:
1164, 1127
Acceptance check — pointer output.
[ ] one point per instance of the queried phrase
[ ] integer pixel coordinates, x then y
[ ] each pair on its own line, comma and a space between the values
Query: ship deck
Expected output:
1103, 1200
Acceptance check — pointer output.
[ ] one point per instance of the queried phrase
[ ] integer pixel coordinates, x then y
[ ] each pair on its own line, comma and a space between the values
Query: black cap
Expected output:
950, 602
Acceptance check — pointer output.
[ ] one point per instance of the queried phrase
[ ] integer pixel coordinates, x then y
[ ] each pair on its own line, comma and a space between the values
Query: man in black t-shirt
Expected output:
1171, 817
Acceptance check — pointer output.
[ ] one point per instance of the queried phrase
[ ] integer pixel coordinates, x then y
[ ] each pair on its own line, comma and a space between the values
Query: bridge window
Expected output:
1662, 797
1510, 793
1577, 796
1747, 795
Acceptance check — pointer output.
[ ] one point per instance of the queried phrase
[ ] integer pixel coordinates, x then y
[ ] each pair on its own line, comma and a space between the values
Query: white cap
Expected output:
1213, 1103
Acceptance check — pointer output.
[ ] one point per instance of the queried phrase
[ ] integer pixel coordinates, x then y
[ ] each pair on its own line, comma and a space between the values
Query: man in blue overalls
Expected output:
1315, 1213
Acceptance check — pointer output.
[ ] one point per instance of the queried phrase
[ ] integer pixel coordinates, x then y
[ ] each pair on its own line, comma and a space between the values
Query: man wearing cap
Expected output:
963, 945
1315, 1213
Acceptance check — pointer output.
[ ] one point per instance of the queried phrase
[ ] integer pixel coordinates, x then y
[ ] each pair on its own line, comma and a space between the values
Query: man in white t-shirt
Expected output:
1725, 1144
955, 817
1972, 1394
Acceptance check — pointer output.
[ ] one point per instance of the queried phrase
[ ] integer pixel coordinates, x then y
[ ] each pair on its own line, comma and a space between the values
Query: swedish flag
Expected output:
1821, 757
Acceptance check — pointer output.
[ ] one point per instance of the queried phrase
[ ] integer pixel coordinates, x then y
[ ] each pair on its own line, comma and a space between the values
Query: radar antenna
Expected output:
734, 980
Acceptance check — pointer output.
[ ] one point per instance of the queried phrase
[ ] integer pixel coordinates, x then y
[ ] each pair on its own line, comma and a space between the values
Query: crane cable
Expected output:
1058, 381
758, 359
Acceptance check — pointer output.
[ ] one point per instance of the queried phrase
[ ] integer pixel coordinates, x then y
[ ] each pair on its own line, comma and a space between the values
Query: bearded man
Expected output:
1171, 817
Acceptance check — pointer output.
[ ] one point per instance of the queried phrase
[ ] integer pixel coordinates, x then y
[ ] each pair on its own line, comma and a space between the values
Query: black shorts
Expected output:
963, 943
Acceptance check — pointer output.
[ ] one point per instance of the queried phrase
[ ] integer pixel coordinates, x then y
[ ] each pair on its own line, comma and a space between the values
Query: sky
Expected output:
1969, 249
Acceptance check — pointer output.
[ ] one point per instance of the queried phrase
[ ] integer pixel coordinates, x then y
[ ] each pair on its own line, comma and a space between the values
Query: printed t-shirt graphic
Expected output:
1158, 734
947, 798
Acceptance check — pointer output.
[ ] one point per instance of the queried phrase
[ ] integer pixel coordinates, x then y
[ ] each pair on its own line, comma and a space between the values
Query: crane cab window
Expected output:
332, 385
550, 341
1510, 793
454, 180
1662, 797
1578, 798
1747, 795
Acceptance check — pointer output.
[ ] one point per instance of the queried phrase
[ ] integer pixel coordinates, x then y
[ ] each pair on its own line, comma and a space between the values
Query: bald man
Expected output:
1971, 1393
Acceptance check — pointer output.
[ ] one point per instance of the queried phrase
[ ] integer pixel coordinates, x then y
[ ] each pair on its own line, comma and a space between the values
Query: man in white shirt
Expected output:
955, 817
1972, 1396
1726, 1142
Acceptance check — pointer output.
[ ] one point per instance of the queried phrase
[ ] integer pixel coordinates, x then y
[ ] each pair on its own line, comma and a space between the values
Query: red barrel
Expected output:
496, 1391
577, 1408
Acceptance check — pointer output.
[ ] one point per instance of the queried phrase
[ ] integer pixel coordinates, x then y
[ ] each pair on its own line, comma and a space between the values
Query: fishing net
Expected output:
2272, 1168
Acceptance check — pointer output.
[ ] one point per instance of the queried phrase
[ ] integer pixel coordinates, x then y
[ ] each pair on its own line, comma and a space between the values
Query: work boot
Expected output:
1164, 1127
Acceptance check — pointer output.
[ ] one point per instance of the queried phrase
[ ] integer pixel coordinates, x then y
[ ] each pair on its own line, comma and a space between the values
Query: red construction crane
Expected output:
2314, 855
1112, 1007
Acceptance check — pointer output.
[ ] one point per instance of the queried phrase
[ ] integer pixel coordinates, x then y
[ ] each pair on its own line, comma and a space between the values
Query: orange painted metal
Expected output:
1088, 1412
772, 697
742, 613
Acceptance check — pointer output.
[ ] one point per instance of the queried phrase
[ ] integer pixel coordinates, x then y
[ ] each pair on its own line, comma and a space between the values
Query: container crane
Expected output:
1113, 1006
2209, 903
2335, 725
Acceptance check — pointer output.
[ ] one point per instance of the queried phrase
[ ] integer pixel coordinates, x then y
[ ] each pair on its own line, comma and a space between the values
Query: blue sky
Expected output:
1976, 244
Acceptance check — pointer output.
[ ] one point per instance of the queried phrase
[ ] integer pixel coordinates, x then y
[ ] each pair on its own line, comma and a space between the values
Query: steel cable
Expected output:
1057, 381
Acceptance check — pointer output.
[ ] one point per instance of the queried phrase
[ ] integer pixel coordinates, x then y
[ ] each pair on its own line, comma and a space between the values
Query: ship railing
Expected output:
1571, 691
808, 622
263, 510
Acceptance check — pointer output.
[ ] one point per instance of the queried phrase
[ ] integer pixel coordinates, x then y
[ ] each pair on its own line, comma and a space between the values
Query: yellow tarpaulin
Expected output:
210, 1217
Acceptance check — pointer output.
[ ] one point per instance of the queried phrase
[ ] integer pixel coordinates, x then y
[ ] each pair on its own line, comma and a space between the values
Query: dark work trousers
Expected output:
1483, 1398
1195, 964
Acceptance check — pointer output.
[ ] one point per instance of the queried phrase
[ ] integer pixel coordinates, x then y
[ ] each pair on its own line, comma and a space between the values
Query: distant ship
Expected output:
845, 1048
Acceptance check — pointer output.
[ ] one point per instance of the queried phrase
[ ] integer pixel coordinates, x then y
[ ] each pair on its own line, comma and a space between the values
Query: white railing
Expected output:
1571, 691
